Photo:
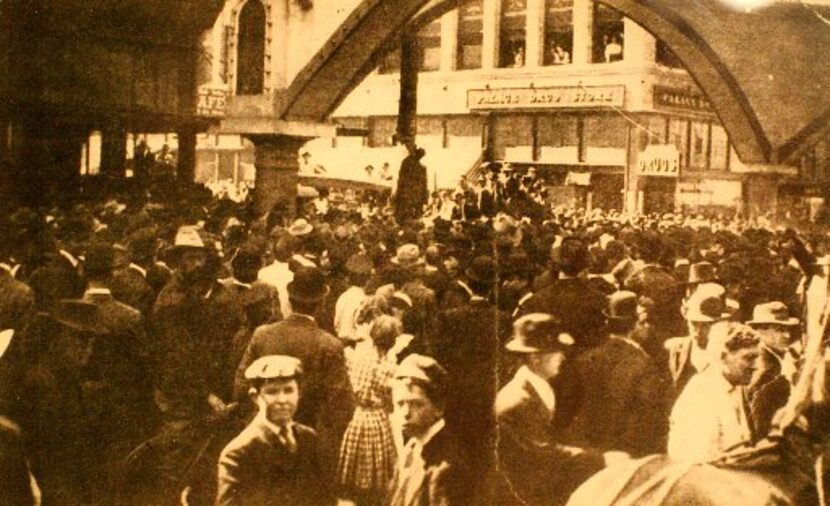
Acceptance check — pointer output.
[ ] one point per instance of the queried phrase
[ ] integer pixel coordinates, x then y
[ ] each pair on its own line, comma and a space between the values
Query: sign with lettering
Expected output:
212, 102
659, 160
673, 98
576, 97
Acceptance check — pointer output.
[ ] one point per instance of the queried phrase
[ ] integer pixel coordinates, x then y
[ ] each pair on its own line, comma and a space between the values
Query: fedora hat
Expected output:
408, 255
539, 333
701, 272
772, 313
622, 306
710, 305
482, 270
308, 285
78, 315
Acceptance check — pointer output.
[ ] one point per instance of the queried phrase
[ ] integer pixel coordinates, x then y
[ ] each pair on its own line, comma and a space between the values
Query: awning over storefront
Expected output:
578, 179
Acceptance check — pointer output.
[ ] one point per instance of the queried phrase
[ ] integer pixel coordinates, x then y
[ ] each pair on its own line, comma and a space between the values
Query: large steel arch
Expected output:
772, 95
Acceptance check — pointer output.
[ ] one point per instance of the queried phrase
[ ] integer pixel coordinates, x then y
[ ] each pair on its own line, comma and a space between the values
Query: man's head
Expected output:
195, 255
307, 289
419, 393
274, 386
774, 325
572, 256
542, 342
706, 306
734, 346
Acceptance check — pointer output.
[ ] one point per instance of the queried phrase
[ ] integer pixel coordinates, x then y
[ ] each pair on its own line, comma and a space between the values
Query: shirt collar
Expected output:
8, 268
304, 316
70, 257
628, 340
236, 282
139, 269
538, 383
98, 291
424, 439
276, 429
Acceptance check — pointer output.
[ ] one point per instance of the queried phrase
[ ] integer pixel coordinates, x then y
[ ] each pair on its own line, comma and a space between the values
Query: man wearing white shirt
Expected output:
711, 415
359, 267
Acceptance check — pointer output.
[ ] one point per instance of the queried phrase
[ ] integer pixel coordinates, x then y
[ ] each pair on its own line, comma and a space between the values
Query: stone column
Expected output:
490, 37
449, 40
640, 47
114, 151
583, 22
535, 33
277, 164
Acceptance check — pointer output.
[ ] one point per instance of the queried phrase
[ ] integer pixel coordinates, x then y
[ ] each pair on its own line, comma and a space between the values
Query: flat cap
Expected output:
273, 367
422, 368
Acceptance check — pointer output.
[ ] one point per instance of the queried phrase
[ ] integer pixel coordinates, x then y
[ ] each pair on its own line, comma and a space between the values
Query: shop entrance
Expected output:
659, 195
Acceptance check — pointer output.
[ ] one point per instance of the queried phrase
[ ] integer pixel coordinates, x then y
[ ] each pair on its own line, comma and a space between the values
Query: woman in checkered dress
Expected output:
367, 455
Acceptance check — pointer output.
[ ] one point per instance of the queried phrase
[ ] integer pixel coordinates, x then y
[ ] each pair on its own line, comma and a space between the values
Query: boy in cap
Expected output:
274, 460
431, 469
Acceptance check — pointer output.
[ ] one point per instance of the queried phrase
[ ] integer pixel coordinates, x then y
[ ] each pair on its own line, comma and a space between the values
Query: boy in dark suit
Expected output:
274, 460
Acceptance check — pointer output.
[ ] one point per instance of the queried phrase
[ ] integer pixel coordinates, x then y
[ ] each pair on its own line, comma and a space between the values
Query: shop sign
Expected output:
575, 97
673, 98
659, 160
212, 102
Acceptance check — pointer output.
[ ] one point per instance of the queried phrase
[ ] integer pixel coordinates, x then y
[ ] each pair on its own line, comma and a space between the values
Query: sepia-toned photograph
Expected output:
414, 252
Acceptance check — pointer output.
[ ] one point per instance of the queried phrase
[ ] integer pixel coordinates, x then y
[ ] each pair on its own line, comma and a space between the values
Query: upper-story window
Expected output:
559, 32
608, 36
470, 35
250, 75
429, 47
512, 33
665, 56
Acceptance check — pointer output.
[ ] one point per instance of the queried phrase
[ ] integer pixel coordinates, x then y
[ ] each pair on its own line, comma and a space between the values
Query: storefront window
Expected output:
558, 32
513, 137
720, 148
678, 129
699, 145
429, 47
470, 29
608, 36
512, 33
666, 57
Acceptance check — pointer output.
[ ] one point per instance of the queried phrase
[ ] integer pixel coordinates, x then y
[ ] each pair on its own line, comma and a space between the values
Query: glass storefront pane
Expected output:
678, 129
719, 150
699, 146
558, 32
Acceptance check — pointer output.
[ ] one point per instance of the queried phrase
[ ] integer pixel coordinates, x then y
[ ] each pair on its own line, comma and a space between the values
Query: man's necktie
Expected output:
286, 437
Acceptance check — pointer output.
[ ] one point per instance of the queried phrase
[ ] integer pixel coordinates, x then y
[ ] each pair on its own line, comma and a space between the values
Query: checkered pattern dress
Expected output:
367, 455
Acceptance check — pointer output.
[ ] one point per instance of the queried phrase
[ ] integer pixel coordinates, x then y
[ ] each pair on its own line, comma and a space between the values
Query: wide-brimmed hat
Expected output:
300, 227
539, 333
622, 306
194, 237
408, 255
482, 270
308, 285
78, 315
710, 305
702, 272
772, 313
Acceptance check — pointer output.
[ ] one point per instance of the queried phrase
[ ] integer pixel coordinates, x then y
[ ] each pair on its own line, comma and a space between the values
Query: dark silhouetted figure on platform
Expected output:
411, 194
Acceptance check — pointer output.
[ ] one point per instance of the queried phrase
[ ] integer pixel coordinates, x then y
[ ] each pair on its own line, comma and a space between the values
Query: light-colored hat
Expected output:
5, 341
300, 227
408, 255
772, 313
710, 304
538, 333
424, 369
273, 367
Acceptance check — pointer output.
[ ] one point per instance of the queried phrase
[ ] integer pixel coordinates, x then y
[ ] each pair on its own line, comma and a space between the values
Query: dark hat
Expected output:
539, 333
482, 270
257, 294
142, 243
272, 367
308, 285
79, 315
424, 369
772, 313
99, 259
622, 305
247, 257
359, 264
702, 272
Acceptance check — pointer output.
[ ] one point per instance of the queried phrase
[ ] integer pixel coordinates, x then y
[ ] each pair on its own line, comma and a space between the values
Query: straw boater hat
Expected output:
408, 255
710, 304
539, 333
300, 227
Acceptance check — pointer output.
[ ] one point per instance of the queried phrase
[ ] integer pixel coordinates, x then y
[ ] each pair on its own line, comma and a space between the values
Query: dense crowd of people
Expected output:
163, 345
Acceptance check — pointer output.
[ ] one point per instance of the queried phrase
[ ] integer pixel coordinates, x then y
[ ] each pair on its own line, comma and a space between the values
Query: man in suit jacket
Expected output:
130, 285
274, 460
467, 344
327, 404
687, 355
626, 404
432, 468
535, 469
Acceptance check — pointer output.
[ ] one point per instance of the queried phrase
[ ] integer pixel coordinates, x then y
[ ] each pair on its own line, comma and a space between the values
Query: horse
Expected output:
786, 468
